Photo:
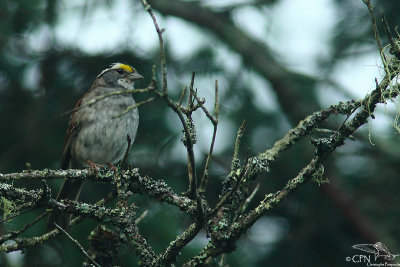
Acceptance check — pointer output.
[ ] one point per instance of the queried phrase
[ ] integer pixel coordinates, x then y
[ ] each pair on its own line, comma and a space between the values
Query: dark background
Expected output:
41, 76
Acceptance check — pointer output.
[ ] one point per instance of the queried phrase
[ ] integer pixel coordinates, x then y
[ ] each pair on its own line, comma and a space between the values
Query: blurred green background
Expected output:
297, 57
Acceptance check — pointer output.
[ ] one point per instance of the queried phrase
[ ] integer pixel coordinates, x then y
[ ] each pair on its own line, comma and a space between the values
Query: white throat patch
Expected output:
126, 83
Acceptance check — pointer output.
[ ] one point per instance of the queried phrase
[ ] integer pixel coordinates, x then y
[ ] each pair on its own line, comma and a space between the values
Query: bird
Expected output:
98, 133
378, 249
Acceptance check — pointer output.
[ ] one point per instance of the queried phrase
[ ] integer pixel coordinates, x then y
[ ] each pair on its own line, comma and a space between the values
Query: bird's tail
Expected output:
69, 190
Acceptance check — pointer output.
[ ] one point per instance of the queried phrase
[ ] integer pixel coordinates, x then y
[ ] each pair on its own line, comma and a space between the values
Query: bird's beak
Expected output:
135, 76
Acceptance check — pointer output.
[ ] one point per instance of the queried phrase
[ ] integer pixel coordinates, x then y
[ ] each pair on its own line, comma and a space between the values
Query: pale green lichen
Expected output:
391, 65
317, 176
7, 207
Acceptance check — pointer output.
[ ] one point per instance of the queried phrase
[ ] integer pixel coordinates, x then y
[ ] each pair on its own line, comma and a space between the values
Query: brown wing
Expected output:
72, 131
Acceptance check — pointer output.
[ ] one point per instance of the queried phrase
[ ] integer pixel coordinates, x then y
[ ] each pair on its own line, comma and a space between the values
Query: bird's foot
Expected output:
94, 167
112, 166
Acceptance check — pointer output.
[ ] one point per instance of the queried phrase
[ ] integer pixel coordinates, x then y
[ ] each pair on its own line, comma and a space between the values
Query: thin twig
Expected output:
141, 217
129, 140
191, 90
345, 120
101, 97
25, 242
228, 195
18, 214
395, 46
387, 30
204, 179
375, 28
190, 142
26, 227
250, 198
221, 262
134, 106
76, 243
201, 104
237, 145
163, 58
182, 96
216, 103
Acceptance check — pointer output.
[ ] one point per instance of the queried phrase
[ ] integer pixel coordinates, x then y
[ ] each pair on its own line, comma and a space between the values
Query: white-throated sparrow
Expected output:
96, 134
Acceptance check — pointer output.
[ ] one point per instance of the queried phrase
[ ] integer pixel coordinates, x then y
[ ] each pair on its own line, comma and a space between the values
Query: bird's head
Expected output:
118, 75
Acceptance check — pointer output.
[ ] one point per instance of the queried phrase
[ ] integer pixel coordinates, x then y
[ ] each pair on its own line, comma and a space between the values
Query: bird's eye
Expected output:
120, 71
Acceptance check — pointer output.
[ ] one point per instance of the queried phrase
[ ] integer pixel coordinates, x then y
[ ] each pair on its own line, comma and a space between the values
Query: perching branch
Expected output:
158, 190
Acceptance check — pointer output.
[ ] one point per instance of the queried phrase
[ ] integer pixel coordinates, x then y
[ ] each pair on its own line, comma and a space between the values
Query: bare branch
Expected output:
250, 198
204, 179
76, 243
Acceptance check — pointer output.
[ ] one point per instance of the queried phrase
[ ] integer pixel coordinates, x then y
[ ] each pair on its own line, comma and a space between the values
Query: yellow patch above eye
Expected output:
126, 67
